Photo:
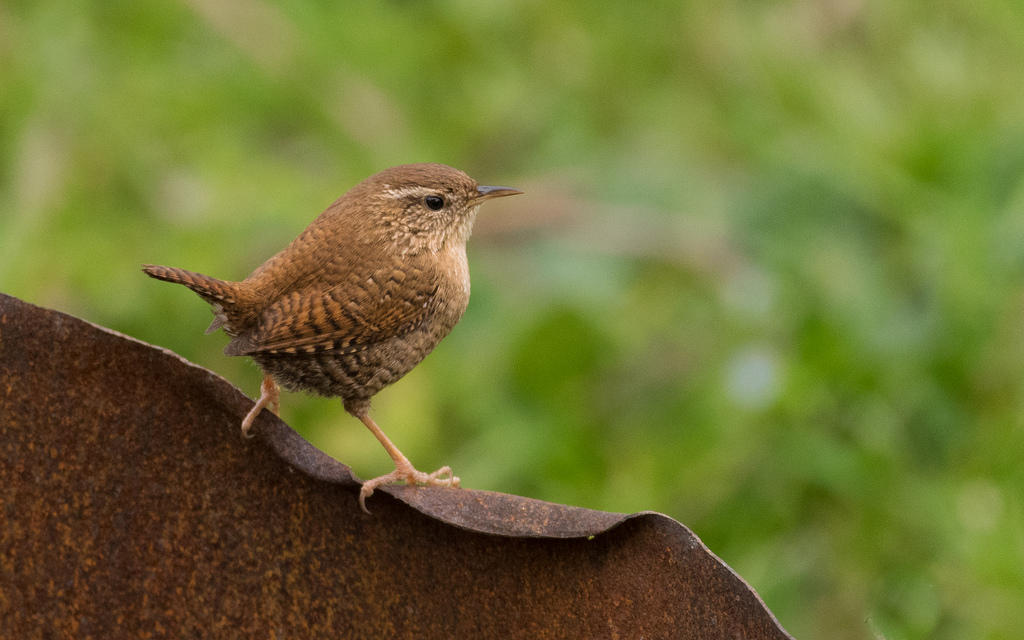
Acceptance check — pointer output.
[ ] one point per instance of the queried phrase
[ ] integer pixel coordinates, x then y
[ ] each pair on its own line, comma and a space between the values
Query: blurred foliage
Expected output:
767, 278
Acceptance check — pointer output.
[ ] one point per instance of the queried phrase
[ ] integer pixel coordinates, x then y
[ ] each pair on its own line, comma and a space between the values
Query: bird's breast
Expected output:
454, 286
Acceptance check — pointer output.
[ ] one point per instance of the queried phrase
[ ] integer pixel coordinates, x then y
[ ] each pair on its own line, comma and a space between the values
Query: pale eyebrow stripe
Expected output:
401, 192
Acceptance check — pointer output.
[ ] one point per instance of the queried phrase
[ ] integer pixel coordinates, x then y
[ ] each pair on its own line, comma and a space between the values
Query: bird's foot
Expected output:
407, 473
270, 398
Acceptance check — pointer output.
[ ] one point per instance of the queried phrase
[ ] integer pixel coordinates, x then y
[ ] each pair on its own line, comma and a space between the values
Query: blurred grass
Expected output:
767, 277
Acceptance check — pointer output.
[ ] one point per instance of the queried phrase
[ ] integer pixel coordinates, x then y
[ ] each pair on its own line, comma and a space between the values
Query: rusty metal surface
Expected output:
133, 508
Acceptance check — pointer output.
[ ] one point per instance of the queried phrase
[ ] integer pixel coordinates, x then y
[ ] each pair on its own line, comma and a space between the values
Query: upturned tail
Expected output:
221, 295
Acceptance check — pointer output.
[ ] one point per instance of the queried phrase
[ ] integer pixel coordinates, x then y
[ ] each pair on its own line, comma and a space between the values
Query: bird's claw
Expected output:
270, 398
442, 477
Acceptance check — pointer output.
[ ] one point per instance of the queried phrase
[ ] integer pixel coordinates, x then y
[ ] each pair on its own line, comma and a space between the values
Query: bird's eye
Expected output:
434, 203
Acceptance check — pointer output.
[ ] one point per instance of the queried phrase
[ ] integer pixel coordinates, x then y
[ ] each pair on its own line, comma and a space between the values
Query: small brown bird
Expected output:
358, 299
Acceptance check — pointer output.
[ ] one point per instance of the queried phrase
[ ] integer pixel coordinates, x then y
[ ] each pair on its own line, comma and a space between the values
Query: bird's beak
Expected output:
487, 193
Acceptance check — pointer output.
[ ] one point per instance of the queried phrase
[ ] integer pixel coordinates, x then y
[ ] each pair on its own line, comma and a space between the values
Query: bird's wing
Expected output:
346, 318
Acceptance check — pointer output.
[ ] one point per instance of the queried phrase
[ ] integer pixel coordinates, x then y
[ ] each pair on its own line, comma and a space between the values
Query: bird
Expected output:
358, 299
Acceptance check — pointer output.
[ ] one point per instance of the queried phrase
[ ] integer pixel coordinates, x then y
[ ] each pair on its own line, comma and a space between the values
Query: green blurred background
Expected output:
767, 277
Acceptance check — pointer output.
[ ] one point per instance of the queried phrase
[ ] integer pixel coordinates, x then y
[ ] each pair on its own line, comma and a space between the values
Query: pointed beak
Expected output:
487, 193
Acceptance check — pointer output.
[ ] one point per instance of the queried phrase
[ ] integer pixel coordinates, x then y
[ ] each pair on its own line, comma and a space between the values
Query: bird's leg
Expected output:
270, 398
403, 468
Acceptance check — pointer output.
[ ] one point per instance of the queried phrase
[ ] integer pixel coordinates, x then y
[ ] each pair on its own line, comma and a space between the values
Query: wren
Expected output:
358, 299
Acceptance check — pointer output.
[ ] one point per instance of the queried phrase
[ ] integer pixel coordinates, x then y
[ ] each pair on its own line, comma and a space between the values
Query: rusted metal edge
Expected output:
96, 458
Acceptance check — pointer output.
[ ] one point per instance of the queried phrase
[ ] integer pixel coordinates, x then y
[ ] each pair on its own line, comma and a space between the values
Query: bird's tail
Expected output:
221, 294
